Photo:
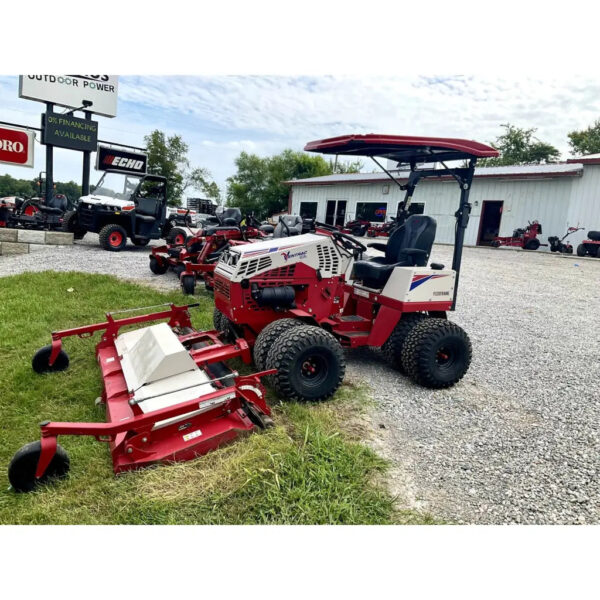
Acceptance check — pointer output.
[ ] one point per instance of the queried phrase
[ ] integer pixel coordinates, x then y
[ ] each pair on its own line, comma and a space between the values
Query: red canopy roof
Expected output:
402, 148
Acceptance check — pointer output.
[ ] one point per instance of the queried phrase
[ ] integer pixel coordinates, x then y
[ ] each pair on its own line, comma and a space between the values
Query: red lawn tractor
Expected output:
357, 227
591, 246
300, 301
384, 229
522, 238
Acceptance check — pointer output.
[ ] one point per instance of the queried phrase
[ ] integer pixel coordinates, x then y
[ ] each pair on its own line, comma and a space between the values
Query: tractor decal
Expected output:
417, 280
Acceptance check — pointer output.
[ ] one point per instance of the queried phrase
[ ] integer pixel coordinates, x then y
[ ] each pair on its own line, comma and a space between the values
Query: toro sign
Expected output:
72, 90
16, 146
118, 160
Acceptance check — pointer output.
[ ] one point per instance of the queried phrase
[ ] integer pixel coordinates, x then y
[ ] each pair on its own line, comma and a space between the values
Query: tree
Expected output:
258, 184
9, 186
344, 167
586, 141
167, 156
518, 146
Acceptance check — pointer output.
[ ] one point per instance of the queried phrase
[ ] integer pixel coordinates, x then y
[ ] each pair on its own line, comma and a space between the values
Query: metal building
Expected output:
503, 199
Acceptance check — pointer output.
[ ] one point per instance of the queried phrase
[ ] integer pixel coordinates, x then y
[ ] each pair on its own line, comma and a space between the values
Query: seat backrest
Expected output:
147, 206
231, 216
59, 201
294, 224
418, 231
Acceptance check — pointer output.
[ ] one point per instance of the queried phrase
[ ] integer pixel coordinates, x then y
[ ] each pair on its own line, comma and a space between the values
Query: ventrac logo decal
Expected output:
418, 280
288, 255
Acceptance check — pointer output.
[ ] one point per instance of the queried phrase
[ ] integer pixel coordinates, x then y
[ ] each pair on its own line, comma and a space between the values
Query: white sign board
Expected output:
73, 90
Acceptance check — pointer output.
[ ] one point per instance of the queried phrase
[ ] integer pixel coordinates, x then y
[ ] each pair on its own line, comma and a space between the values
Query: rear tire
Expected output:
188, 284
267, 337
113, 237
436, 353
392, 348
157, 267
22, 468
581, 251
533, 244
176, 236
69, 225
40, 361
310, 364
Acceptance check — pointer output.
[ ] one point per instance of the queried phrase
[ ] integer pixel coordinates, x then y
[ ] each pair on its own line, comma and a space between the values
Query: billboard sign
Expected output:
72, 90
119, 160
16, 146
67, 131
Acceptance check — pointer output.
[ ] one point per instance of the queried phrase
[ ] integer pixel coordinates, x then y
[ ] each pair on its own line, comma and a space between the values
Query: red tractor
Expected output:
300, 301
591, 246
525, 238
357, 227
384, 229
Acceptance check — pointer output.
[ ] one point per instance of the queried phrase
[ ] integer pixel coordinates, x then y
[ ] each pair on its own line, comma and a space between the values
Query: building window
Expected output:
416, 208
371, 211
308, 210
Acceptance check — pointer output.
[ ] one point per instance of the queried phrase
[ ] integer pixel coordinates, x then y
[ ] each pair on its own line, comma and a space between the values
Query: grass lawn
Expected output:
309, 469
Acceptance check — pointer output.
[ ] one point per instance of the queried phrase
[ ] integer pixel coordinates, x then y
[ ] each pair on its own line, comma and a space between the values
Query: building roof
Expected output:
588, 159
569, 169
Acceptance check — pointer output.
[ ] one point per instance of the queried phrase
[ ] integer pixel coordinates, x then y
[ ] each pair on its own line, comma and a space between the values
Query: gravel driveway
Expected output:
518, 440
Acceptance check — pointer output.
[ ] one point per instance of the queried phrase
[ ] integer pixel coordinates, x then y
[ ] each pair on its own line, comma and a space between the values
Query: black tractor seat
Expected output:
294, 226
145, 218
409, 246
49, 210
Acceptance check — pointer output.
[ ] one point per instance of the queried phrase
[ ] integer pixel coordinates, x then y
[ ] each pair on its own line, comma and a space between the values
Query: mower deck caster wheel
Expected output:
188, 284
436, 353
157, 267
267, 337
41, 361
309, 362
22, 468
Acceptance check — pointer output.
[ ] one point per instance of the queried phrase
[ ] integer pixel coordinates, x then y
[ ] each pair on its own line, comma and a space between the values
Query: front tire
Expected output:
436, 353
157, 267
581, 251
266, 338
533, 244
113, 237
310, 364
22, 468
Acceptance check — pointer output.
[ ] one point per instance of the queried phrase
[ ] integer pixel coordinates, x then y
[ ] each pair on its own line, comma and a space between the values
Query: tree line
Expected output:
258, 185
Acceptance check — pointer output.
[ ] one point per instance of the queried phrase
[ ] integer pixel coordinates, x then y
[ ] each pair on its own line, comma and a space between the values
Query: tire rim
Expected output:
115, 239
179, 239
445, 357
313, 370
30, 211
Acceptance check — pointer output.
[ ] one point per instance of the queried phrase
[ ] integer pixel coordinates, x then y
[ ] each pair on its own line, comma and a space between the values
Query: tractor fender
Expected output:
387, 318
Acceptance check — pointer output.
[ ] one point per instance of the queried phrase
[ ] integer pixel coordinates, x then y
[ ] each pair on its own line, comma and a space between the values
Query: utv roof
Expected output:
402, 148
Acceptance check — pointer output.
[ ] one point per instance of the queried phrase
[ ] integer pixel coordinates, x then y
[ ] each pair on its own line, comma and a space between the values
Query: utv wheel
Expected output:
69, 225
41, 361
113, 237
22, 468
533, 244
188, 284
140, 242
176, 236
309, 361
157, 267
392, 348
436, 353
581, 251
267, 337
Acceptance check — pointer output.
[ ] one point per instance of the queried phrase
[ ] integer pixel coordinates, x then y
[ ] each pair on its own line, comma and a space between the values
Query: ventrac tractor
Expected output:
300, 301
124, 206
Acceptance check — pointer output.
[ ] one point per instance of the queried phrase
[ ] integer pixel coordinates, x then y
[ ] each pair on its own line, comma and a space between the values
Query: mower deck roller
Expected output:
168, 396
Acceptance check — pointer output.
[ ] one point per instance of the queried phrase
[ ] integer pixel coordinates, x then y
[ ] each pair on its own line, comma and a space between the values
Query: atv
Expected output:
125, 206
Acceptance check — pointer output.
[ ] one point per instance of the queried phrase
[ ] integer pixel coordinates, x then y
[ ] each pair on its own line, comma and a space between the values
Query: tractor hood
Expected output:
107, 201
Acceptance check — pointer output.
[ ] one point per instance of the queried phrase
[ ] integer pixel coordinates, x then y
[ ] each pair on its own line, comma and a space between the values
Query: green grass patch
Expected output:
310, 469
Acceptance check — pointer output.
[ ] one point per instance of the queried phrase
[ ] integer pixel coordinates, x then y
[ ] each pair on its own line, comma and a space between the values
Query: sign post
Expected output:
49, 161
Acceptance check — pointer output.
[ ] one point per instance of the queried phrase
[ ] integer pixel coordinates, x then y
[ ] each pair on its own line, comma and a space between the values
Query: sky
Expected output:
220, 116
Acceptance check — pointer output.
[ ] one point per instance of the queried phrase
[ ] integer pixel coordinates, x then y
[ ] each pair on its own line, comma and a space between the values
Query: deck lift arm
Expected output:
412, 151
